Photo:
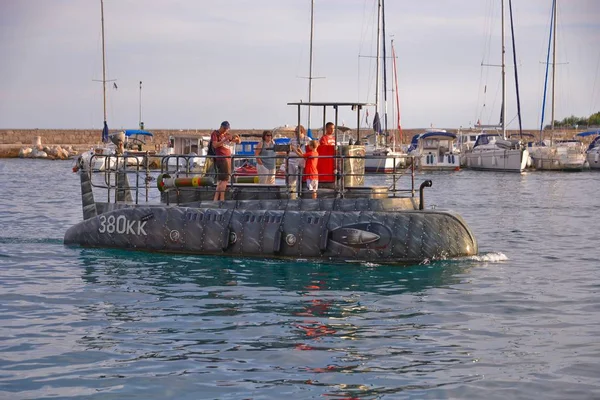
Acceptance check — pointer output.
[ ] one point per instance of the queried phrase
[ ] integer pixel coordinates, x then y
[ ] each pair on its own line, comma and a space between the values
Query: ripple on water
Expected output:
519, 319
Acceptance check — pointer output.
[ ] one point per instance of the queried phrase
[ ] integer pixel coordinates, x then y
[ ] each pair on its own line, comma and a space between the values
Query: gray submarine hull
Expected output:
399, 236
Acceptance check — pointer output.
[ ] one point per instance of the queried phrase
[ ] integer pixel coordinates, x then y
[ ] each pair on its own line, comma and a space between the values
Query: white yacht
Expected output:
492, 152
555, 155
559, 155
435, 151
106, 157
382, 158
464, 144
181, 151
99, 158
592, 154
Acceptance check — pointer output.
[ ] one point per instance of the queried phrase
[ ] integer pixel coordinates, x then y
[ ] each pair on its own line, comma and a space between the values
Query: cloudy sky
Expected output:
204, 61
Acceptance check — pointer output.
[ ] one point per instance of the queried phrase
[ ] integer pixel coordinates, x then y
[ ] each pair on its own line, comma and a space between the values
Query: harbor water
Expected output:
521, 320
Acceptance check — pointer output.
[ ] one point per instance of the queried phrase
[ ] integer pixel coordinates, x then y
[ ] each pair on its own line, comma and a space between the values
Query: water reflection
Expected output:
163, 271
275, 323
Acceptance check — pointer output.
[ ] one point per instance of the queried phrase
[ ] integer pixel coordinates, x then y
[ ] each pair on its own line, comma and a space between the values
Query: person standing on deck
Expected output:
299, 141
311, 158
265, 159
328, 139
223, 142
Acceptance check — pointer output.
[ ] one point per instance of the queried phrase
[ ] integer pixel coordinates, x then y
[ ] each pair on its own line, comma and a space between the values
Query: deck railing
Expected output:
140, 179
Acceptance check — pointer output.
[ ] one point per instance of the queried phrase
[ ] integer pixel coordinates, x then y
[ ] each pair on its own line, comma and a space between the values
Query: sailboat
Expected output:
380, 155
98, 158
109, 155
494, 151
592, 154
562, 155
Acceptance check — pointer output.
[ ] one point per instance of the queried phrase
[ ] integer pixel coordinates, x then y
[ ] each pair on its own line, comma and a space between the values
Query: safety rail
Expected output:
140, 179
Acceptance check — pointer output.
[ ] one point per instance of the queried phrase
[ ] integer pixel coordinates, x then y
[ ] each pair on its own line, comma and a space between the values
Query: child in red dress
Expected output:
310, 166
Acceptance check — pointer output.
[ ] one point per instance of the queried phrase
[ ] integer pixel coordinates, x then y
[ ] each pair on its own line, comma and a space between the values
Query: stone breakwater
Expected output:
12, 141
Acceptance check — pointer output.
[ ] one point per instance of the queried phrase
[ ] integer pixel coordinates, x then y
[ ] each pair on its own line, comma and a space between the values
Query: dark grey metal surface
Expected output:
376, 236
355, 223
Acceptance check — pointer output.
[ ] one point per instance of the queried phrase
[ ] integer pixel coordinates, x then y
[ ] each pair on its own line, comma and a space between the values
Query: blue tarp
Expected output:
131, 132
589, 133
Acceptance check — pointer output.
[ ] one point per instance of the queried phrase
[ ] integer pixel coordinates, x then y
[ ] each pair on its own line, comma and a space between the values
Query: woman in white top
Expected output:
265, 159
299, 141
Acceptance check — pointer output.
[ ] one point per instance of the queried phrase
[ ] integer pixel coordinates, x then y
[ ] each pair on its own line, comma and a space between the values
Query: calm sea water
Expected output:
521, 320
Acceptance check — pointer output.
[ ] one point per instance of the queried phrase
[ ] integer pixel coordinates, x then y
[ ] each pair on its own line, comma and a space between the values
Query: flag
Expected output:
105, 133
115, 85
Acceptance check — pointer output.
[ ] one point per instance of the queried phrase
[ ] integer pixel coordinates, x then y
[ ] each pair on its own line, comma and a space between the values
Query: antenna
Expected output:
141, 123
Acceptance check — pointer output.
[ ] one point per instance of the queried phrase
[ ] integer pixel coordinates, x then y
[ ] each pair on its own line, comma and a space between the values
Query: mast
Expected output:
376, 117
105, 128
141, 123
378, 57
553, 64
514, 51
503, 112
395, 72
550, 39
310, 68
384, 68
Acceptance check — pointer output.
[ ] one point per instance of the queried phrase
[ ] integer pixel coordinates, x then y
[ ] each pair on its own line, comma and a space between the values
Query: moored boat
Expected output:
592, 154
492, 152
559, 155
555, 155
126, 147
435, 150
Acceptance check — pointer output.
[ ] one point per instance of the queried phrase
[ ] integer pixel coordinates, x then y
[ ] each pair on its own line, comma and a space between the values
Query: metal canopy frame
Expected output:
355, 106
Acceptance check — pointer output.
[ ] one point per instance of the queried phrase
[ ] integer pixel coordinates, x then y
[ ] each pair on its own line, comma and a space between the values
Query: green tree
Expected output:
594, 119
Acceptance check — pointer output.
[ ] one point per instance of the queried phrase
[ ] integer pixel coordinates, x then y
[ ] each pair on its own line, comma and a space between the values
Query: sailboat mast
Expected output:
550, 40
553, 64
395, 71
103, 61
141, 123
378, 57
385, 124
503, 75
310, 68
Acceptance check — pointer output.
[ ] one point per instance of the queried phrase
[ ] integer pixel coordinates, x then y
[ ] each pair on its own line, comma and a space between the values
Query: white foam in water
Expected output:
490, 257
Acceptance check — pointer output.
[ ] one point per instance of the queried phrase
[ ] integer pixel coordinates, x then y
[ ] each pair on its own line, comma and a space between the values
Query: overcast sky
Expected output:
204, 61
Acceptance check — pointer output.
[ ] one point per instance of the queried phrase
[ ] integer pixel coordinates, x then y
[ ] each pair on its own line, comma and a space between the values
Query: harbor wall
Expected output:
25, 137
12, 140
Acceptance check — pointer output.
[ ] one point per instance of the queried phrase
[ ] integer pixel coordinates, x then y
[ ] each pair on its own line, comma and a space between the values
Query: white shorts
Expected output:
265, 175
312, 184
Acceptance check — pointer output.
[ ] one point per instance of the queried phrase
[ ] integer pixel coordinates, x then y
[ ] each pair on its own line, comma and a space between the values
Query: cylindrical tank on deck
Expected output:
352, 164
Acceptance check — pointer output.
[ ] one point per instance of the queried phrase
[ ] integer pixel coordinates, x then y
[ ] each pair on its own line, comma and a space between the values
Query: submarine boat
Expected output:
349, 221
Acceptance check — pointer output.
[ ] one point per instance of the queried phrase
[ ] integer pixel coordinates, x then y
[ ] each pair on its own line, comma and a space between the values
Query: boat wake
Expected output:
489, 257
